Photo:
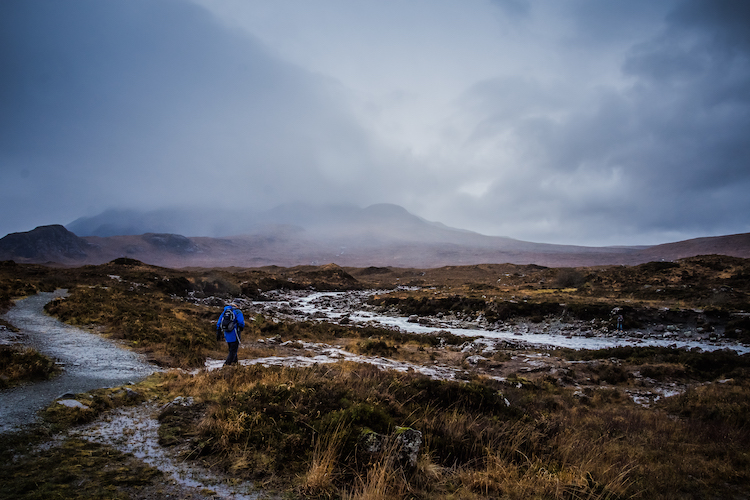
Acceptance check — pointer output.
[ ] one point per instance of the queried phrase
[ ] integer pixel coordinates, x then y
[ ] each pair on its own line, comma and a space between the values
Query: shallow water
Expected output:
88, 361
332, 306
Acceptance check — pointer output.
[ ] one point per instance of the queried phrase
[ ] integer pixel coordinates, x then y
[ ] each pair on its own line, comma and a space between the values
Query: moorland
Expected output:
567, 427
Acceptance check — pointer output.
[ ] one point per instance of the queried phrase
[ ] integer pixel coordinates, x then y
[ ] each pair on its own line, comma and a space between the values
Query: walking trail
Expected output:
89, 361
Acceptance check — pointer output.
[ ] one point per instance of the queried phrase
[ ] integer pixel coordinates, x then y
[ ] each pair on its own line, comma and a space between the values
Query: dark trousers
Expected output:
232, 357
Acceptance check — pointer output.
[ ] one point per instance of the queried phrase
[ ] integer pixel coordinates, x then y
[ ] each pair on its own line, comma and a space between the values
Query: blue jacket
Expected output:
232, 336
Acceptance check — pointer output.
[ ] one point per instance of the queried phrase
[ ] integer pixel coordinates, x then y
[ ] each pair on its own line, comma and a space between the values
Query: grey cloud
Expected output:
513, 8
155, 103
152, 103
725, 22
668, 154
605, 23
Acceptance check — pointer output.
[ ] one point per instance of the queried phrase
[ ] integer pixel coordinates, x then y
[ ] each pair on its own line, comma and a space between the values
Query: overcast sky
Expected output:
579, 121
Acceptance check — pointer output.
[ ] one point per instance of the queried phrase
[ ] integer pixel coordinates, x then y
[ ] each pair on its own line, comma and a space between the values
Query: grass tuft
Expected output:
19, 365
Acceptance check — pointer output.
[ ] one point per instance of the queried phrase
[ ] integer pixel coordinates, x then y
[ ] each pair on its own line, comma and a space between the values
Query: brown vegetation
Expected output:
24, 365
301, 427
566, 430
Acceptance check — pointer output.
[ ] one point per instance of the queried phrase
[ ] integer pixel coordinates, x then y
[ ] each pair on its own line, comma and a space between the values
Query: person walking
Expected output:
231, 323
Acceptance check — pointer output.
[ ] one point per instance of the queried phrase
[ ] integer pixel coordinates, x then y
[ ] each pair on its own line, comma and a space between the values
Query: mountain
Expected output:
289, 235
735, 245
45, 244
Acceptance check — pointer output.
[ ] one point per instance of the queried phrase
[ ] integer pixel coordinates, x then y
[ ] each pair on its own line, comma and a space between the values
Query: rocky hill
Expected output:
45, 244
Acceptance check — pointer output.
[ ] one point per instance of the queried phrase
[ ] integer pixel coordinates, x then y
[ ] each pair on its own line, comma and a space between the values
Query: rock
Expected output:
183, 401
72, 403
473, 360
178, 401
467, 347
371, 441
407, 443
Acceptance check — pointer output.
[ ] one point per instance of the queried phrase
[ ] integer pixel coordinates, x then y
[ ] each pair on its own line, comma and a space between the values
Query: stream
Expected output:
352, 306
89, 361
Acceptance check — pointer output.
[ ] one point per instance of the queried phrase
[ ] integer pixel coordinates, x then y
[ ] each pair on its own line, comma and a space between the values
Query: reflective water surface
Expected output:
88, 361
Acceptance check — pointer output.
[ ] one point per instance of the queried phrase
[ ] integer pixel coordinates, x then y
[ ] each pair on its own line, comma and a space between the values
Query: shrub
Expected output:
567, 277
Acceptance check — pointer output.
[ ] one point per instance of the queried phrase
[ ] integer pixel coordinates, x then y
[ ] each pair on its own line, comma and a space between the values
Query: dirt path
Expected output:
88, 361
134, 429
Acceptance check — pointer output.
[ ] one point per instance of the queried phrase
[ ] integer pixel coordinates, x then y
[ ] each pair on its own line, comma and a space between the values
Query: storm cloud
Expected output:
579, 122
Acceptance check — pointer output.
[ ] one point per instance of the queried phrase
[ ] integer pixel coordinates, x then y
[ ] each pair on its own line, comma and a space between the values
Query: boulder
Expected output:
404, 443
408, 444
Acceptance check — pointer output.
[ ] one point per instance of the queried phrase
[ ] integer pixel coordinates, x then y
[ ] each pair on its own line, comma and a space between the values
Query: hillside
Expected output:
379, 235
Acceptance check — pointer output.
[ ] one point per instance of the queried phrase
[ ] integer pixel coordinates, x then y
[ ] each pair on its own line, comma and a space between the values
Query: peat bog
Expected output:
516, 421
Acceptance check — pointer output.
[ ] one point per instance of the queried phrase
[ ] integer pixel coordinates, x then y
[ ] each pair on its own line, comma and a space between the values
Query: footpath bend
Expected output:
88, 361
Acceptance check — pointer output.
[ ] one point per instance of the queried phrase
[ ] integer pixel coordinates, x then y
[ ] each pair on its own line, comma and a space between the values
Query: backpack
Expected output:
228, 321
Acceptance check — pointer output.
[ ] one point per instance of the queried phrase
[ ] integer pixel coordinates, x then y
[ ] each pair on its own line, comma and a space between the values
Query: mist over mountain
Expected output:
320, 221
188, 222
336, 226
301, 234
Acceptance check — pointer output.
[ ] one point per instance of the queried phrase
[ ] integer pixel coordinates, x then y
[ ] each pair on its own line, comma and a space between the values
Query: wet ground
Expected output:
352, 308
88, 361
134, 430
473, 357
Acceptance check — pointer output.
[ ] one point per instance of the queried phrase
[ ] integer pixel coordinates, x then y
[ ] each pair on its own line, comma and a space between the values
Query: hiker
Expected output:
230, 323
619, 322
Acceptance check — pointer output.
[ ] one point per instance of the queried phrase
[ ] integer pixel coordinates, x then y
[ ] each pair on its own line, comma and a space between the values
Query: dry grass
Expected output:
320, 478
299, 428
18, 365
172, 333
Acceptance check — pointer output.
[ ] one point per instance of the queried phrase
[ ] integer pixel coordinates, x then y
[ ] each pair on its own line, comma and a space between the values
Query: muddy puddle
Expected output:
88, 361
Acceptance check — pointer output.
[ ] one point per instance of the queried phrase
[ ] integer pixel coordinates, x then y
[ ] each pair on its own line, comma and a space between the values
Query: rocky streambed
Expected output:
352, 308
